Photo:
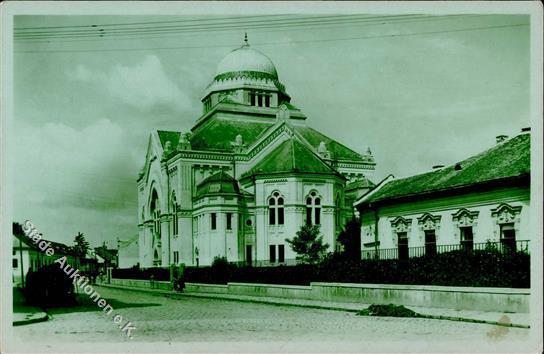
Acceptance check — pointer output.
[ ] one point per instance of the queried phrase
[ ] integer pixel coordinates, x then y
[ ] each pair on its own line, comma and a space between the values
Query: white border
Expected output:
9, 9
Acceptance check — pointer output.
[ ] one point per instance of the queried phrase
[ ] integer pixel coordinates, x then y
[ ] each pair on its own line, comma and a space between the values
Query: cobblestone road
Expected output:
187, 319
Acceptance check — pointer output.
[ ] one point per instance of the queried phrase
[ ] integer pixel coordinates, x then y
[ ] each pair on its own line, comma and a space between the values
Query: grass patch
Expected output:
388, 311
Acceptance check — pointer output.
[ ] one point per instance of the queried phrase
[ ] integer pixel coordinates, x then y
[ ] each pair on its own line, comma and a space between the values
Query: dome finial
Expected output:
246, 43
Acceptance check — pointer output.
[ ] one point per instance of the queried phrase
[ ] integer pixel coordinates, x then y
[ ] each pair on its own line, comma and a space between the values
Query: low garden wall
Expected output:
148, 284
462, 298
451, 297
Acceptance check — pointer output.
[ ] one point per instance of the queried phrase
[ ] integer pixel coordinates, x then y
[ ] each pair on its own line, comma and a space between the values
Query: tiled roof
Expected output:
507, 160
290, 156
59, 248
337, 150
109, 254
219, 133
165, 135
219, 183
362, 183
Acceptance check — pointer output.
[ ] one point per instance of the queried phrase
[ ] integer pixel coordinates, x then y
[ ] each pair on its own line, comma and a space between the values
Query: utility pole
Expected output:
22, 268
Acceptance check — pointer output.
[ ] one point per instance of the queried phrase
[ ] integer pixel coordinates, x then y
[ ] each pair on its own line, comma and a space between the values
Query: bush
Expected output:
486, 268
388, 311
49, 286
222, 270
159, 274
290, 275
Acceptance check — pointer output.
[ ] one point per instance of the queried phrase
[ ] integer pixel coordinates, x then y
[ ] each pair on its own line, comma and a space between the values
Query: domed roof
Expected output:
219, 183
246, 59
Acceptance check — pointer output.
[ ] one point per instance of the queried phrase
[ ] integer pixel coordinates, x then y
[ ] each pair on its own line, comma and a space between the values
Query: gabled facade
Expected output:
247, 176
483, 201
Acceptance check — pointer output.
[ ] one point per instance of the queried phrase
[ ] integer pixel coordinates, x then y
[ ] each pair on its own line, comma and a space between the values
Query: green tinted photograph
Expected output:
272, 177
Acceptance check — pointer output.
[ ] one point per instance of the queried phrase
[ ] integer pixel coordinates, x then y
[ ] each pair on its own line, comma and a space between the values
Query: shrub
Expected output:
49, 286
457, 268
221, 270
159, 274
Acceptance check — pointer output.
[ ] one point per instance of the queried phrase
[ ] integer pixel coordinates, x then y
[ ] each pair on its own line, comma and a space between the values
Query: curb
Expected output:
472, 320
170, 293
35, 318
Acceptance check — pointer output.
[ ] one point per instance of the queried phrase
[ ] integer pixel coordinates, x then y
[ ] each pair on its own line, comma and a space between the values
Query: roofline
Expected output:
290, 174
443, 192
250, 111
355, 188
377, 187
217, 194
207, 179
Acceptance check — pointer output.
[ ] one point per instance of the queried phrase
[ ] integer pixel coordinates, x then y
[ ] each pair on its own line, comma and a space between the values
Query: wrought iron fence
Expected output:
432, 249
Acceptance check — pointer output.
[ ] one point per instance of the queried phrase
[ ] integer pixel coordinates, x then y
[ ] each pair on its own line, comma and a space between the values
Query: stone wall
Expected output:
462, 298
136, 283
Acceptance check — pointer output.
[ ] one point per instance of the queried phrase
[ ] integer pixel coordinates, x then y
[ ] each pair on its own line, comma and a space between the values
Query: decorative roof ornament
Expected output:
238, 144
368, 152
184, 142
167, 150
239, 140
283, 113
322, 150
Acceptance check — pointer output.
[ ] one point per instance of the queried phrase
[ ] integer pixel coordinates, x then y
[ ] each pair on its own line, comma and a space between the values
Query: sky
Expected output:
418, 93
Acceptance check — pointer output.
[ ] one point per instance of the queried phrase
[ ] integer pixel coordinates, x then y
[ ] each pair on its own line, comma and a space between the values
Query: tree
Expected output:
308, 244
350, 239
81, 245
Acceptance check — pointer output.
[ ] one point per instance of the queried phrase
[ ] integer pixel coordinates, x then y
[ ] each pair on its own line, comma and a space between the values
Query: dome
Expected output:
219, 183
246, 59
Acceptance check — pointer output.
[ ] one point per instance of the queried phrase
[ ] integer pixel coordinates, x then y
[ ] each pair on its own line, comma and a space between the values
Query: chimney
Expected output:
437, 167
501, 138
526, 130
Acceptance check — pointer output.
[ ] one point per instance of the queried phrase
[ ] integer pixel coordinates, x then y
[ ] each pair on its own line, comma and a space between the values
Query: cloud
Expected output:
69, 180
144, 86
88, 168
80, 73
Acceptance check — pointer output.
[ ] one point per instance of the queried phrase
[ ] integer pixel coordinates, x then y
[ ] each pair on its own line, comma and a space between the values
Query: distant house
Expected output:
26, 256
479, 202
109, 255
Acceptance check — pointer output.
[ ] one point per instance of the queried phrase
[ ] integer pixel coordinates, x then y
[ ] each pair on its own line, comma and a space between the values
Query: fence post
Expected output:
109, 270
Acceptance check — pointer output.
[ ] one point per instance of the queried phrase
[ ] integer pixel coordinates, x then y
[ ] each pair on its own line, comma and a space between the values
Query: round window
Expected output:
248, 222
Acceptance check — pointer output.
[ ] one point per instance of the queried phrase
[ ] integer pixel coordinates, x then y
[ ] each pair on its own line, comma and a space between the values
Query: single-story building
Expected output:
27, 256
479, 202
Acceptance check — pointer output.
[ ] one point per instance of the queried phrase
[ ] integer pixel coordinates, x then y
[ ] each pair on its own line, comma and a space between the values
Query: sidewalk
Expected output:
521, 320
23, 314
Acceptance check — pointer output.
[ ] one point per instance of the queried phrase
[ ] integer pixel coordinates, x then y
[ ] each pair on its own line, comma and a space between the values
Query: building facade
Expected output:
483, 201
28, 257
247, 176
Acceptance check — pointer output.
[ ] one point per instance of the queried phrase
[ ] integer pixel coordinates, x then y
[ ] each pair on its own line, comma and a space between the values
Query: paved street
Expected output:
188, 319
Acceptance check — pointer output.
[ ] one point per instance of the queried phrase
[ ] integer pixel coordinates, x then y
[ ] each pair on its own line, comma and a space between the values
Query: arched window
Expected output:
313, 209
154, 208
275, 209
175, 209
